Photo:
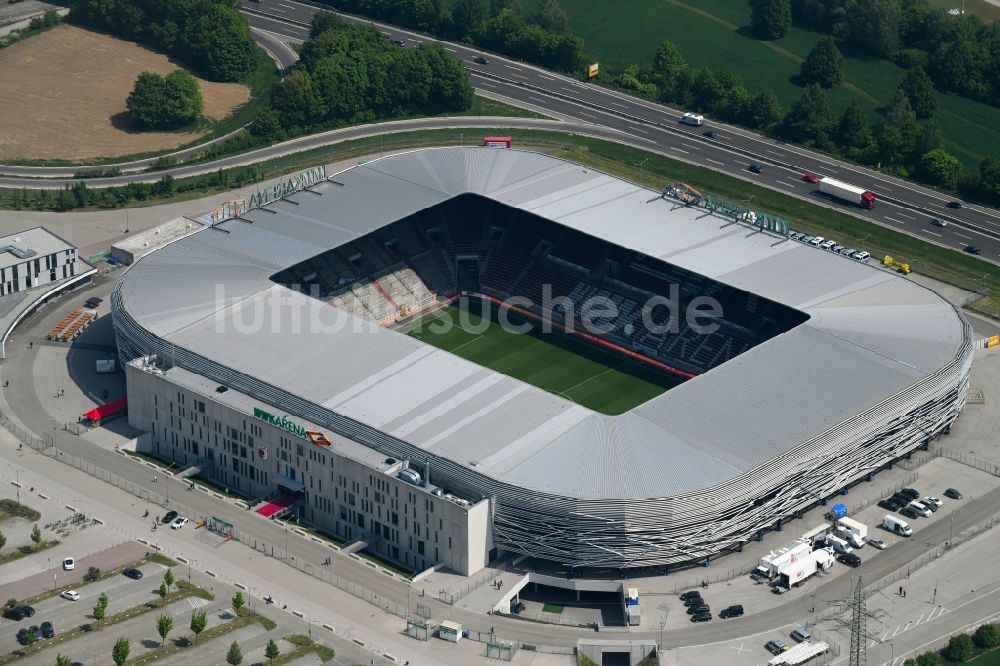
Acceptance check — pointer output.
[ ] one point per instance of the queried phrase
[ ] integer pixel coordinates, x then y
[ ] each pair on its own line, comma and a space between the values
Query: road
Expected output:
602, 113
14, 12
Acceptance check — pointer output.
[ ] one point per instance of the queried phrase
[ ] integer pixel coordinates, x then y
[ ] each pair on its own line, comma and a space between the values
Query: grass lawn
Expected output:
553, 608
556, 362
987, 659
714, 33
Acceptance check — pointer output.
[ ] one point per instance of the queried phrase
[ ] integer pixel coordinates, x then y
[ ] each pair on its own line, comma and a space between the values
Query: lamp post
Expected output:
861, 241
642, 168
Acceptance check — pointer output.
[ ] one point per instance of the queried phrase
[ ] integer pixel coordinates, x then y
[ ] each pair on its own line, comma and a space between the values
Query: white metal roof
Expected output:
871, 333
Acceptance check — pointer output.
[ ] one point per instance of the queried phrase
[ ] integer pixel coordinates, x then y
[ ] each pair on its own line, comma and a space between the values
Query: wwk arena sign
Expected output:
283, 188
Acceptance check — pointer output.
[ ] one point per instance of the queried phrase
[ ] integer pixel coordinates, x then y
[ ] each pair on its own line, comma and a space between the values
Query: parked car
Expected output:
889, 504
798, 235
909, 512
848, 252
953, 494
954, 204
482, 60
731, 611
972, 249
817, 241
709, 134
693, 601
933, 500
22, 635
15, 613
801, 634
930, 505
920, 508
701, 617
132, 573
809, 178
827, 245
754, 168
878, 543
693, 594
776, 647
169, 516
72, 595
179, 523
69, 564
937, 222
912, 493
698, 608
837, 248
48, 631
807, 239
850, 559
399, 42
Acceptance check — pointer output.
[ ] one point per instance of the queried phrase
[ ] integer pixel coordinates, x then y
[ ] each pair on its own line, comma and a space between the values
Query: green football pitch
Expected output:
554, 361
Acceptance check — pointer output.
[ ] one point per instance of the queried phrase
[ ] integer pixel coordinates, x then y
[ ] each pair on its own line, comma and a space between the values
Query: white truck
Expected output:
853, 531
692, 119
796, 573
770, 565
856, 195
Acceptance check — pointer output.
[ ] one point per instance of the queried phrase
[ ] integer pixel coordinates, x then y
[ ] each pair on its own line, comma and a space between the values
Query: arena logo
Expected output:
283, 188
282, 422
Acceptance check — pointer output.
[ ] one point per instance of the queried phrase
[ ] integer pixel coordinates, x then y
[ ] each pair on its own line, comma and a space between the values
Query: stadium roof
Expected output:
871, 333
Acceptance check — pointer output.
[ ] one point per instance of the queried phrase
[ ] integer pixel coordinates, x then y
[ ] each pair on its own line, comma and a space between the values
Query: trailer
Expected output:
796, 573
856, 195
770, 565
858, 531
632, 611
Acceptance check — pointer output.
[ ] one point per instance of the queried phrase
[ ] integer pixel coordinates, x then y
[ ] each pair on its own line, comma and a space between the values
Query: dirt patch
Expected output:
64, 97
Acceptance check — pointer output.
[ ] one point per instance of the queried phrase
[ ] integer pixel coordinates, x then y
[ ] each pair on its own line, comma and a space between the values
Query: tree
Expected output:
3, 541
36, 536
238, 602
168, 578
235, 656
296, 101
119, 653
873, 26
198, 622
764, 111
920, 92
853, 130
183, 101
959, 648
164, 624
941, 168
989, 178
824, 64
101, 607
551, 16
162, 591
770, 19
323, 21
668, 67
271, 651
987, 636
468, 15
158, 102
810, 119
63, 660
220, 44
93, 573
900, 111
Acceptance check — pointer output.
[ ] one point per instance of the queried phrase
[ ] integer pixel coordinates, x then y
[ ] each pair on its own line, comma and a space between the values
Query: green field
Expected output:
555, 362
714, 33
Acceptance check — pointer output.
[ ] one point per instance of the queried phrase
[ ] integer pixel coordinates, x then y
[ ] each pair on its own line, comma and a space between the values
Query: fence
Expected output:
451, 597
982, 464
489, 637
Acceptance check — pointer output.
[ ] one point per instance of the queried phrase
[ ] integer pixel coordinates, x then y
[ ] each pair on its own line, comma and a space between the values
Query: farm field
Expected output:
715, 33
556, 362
65, 92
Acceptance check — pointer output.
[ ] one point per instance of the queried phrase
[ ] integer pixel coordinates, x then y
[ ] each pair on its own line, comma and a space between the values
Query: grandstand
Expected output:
822, 370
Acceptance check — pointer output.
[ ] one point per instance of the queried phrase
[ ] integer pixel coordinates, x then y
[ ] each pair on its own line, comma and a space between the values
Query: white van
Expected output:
692, 119
839, 545
817, 240
919, 507
863, 257
896, 526
850, 537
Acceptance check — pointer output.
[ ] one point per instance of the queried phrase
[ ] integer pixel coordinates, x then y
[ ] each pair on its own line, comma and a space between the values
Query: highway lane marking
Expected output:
485, 83
620, 106
520, 76
679, 150
448, 48
894, 219
536, 99
516, 69
641, 138
286, 6
387, 34
786, 183
905, 215
782, 184
690, 146
715, 161
963, 235
774, 152
931, 233
639, 129
587, 115
550, 78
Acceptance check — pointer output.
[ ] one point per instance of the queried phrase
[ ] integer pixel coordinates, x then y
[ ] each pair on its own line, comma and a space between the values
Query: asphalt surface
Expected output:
18, 11
30, 408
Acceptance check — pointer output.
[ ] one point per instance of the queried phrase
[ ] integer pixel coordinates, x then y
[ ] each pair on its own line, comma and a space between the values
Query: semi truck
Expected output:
796, 573
853, 531
856, 195
771, 564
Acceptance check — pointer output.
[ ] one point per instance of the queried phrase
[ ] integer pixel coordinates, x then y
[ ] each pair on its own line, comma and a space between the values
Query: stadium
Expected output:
636, 438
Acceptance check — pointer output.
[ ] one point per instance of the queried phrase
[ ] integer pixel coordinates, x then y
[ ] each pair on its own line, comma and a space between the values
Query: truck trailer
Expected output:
796, 573
858, 531
856, 195
771, 564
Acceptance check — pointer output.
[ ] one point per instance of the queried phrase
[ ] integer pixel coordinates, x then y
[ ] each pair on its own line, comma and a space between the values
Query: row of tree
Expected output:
208, 35
349, 73
542, 37
960, 53
904, 140
960, 648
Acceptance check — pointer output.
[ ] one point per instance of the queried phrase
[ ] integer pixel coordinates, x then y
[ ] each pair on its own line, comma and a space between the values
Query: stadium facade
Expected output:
262, 356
